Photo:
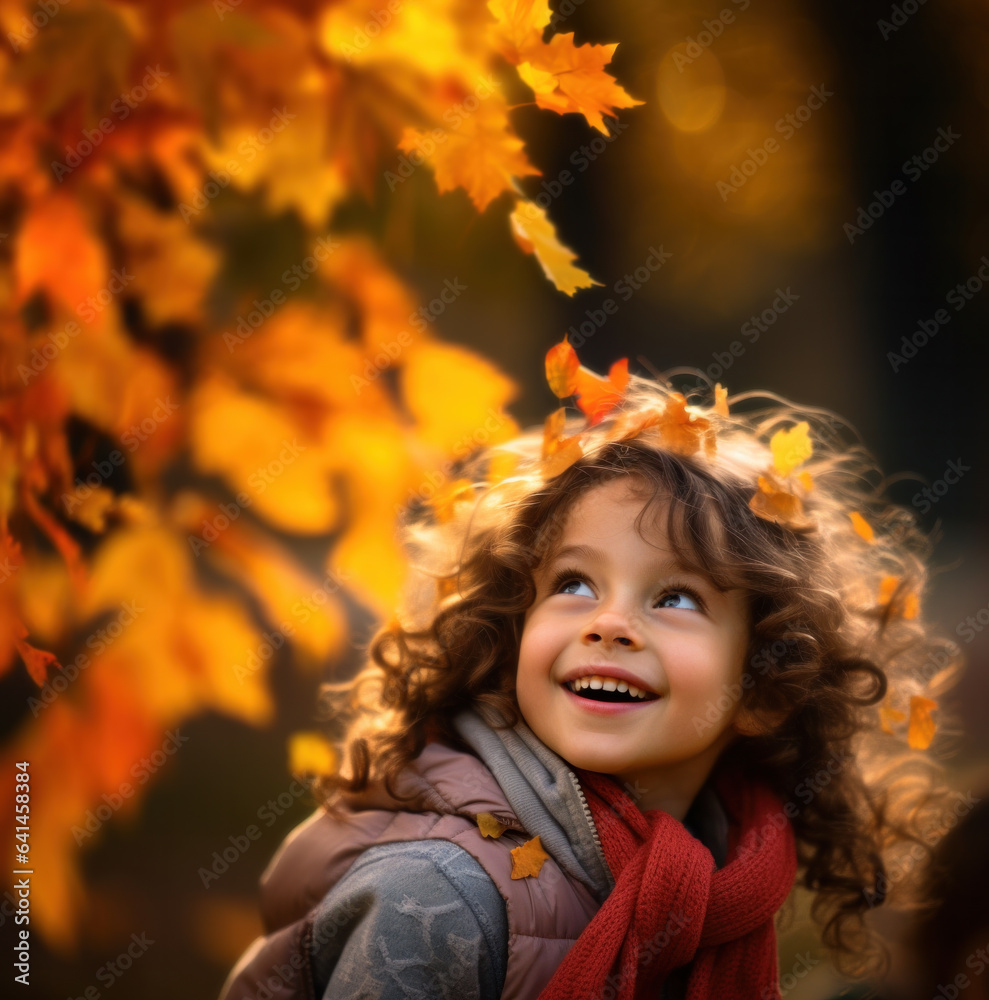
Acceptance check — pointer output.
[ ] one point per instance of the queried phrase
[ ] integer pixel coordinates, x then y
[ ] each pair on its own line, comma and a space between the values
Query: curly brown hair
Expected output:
839, 656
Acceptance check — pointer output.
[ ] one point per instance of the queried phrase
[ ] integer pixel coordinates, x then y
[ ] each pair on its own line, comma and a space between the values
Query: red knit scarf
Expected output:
670, 906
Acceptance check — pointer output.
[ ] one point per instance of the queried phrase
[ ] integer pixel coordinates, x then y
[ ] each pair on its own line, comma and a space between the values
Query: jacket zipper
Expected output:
590, 822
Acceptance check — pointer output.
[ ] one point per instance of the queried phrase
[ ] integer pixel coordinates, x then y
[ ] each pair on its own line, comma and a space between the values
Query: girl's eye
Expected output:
679, 599
573, 587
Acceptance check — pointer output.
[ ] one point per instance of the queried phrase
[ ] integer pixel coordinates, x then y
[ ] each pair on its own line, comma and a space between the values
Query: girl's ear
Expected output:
759, 722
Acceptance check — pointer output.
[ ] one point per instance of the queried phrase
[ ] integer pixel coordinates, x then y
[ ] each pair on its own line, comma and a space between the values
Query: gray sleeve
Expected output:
416, 920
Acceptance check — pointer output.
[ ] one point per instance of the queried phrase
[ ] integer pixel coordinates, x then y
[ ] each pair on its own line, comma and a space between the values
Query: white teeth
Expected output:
598, 682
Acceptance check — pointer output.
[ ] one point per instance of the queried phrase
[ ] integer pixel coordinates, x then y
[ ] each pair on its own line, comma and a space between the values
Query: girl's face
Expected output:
617, 608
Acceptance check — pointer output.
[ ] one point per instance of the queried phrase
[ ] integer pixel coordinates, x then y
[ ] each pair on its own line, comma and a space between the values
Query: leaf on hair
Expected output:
922, 727
862, 527
791, 448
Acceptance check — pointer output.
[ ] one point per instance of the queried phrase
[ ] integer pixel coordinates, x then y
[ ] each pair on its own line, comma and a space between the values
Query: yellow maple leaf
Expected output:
528, 859
519, 23
535, 234
567, 77
481, 154
489, 825
791, 447
922, 727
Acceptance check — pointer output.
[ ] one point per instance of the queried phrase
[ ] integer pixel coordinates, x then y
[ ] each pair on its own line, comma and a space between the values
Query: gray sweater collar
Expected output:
545, 794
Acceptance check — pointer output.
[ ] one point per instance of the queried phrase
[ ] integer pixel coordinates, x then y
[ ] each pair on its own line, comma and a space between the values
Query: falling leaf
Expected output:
489, 826
535, 234
790, 448
528, 859
597, 396
922, 727
561, 369
567, 77
311, 753
520, 23
481, 155
862, 527
559, 452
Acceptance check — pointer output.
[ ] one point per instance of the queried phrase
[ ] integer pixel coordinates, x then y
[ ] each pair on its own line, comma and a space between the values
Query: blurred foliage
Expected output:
201, 363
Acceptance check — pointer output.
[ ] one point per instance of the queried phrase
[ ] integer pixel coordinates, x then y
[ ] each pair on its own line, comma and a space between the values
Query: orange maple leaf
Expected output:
520, 23
567, 77
774, 502
528, 859
922, 727
720, 400
597, 396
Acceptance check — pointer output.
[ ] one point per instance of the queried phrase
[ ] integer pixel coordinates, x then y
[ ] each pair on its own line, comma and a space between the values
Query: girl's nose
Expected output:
610, 626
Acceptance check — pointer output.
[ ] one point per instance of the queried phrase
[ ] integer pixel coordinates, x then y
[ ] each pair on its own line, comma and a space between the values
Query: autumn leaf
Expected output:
680, 428
921, 729
597, 396
778, 504
482, 155
561, 369
567, 77
558, 452
535, 234
790, 448
528, 859
489, 825
862, 527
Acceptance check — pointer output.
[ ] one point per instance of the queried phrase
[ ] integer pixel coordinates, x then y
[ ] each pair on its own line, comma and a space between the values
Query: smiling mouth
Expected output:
608, 689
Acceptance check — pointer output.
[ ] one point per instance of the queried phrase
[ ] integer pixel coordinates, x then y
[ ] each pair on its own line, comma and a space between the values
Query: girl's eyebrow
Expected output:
591, 553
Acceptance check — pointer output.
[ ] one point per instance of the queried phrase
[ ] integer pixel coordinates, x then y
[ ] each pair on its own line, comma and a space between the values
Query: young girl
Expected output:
652, 666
